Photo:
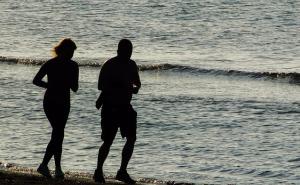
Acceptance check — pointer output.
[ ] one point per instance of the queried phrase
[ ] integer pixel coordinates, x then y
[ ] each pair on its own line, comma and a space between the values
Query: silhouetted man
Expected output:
118, 80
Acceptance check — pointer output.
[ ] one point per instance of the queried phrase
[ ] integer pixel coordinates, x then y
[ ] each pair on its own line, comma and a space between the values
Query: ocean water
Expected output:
219, 102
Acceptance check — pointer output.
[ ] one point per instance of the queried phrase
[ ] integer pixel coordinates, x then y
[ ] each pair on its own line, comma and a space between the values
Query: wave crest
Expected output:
290, 77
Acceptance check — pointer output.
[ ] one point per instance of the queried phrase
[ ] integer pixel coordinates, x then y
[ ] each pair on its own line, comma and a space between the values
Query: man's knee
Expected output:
131, 139
107, 142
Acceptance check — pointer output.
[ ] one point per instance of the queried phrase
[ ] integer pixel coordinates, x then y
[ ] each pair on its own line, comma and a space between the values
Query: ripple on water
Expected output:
294, 160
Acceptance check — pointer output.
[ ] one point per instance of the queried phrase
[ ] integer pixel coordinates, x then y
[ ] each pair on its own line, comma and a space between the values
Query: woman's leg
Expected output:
58, 141
57, 115
49, 152
50, 147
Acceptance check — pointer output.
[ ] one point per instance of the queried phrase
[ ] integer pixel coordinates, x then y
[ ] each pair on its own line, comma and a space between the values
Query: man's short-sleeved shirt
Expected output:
116, 81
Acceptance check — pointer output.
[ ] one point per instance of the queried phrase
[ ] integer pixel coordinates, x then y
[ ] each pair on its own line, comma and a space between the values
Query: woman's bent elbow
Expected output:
35, 82
75, 89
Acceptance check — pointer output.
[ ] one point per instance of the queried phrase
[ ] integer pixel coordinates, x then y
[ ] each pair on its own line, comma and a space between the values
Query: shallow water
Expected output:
212, 130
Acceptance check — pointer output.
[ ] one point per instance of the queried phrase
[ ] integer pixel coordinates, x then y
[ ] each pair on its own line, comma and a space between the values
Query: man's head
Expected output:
125, 48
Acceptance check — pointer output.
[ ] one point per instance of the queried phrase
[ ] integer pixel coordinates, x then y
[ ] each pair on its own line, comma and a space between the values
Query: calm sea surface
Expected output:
220, 97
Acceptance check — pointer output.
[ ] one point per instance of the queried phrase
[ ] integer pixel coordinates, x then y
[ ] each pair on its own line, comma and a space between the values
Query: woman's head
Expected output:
65, 48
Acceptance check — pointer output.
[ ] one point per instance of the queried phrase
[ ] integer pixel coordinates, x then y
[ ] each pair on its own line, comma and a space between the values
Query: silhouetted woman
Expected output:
62, 75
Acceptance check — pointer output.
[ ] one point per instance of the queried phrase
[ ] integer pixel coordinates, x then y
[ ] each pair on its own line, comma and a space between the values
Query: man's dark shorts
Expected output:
113, 118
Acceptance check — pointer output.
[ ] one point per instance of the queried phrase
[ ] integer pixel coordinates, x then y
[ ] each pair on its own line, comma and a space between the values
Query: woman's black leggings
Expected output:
57, 114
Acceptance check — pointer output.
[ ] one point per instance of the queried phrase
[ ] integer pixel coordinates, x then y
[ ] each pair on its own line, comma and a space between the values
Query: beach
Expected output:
219, 101
11, 174
28, 177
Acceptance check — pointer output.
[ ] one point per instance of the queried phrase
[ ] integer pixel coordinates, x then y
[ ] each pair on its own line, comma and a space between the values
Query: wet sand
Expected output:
20, 178
11, 174
14, 175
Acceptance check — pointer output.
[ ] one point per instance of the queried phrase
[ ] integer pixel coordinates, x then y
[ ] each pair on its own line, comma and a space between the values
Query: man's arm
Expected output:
101, 82
102, 76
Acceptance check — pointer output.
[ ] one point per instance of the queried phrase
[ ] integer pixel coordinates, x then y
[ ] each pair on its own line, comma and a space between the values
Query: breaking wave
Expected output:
288, 77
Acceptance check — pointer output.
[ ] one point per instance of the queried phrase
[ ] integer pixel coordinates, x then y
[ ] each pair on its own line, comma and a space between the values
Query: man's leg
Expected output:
122, 174
108, 135
128, 130
103, 153
127, 152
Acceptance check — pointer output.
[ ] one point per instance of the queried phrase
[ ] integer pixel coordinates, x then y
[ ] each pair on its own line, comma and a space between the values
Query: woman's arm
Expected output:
136, 80
74, 85
38, 79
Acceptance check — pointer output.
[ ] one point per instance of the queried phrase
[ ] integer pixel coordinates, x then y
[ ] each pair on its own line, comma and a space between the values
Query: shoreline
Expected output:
11, 174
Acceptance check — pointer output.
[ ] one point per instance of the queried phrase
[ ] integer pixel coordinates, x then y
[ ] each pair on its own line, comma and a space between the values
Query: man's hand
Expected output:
135, 89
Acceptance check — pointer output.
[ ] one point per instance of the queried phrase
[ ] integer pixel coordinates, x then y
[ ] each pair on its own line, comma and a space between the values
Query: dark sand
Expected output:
14, 175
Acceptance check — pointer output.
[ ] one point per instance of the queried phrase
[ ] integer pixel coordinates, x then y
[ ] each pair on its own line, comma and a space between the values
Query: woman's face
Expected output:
69, 53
